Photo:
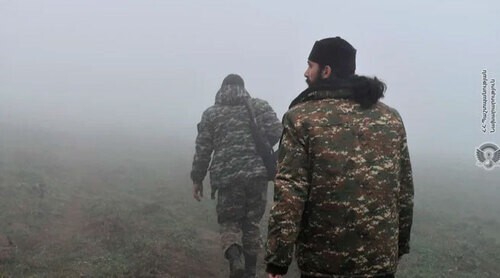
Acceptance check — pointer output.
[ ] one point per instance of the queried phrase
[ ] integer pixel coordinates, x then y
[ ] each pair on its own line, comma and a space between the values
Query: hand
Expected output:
198, 191
269, 275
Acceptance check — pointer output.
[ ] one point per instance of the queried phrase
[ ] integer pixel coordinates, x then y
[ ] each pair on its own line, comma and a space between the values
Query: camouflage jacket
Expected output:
224, 131
344, 190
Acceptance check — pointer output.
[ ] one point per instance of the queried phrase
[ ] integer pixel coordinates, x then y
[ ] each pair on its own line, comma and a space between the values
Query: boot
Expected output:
250, 265
236, 264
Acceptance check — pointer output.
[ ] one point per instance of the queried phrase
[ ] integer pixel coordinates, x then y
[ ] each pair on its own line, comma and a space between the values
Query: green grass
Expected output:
129, 213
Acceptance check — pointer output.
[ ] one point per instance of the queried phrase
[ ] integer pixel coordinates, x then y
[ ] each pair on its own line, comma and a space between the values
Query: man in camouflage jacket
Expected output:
237, 172
344, 191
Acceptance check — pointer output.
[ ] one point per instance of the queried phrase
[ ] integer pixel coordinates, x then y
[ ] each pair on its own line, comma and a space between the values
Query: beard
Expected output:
311, 83
316, 78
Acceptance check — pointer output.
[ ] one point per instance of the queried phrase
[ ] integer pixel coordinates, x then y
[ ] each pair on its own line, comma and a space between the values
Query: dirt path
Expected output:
70, 224
212, 253
207, 262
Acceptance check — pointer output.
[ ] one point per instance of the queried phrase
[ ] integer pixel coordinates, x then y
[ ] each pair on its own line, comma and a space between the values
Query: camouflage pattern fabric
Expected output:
225, 142
240, 208
344, 191
224, 131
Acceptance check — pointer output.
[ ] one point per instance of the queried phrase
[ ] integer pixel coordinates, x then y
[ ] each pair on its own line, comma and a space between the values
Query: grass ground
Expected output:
67, 210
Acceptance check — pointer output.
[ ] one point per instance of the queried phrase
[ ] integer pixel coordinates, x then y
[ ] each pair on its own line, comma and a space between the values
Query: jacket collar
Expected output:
336, 89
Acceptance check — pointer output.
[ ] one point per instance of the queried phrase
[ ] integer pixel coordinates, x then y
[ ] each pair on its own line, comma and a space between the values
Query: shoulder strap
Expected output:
251, 113
259, 138
262, 145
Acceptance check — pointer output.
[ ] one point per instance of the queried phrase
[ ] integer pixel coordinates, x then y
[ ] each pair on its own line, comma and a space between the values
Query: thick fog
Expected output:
99, 102
148, 69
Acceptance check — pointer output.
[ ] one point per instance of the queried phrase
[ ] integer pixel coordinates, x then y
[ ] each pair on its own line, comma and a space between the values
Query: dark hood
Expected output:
231, 95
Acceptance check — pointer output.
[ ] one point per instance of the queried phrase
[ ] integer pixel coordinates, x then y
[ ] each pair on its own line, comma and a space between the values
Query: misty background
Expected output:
150, 68
124, 83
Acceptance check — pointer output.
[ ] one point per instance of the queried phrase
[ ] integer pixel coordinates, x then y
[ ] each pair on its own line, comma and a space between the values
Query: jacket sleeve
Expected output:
204, 148
405, 199
267, 119
290, 194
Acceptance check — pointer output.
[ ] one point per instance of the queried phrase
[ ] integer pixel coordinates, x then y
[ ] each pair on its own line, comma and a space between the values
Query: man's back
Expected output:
344, 190
357, 168
225, 130
237, 173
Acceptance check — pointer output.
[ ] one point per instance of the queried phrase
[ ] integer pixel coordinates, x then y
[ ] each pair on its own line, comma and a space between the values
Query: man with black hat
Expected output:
344, 191
237, 172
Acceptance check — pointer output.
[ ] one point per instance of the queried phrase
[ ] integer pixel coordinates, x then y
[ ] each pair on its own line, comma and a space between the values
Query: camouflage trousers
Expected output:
240, 207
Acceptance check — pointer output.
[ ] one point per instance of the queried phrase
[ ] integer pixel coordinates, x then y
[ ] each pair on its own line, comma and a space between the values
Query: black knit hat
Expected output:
233, 79
336, 53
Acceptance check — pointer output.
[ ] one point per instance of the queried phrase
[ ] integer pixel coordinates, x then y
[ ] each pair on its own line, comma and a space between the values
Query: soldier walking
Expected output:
344, 190
225, 146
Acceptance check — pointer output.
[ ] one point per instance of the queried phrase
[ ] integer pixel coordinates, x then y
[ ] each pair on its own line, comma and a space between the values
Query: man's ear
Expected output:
326, 72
